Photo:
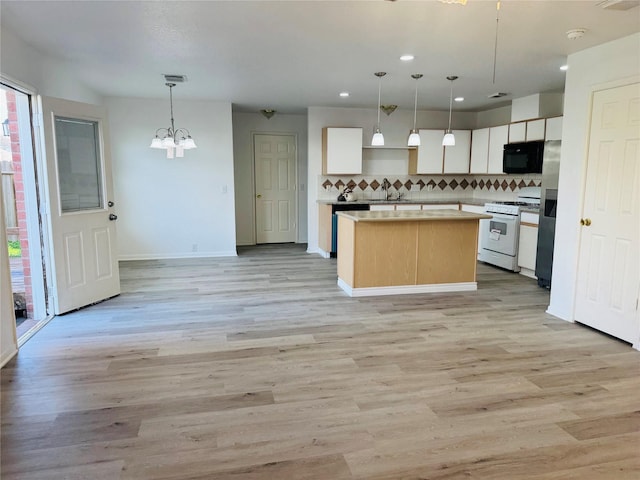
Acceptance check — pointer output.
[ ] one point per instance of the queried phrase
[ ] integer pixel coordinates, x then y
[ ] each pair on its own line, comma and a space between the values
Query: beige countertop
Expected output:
410, 215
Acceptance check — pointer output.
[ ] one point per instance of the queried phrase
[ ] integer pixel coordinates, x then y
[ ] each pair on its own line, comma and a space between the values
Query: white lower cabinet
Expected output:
528, 244
379, 208
440, 206
404, 206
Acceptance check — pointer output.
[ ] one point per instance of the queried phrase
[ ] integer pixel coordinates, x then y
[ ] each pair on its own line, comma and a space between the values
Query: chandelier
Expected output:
174, 141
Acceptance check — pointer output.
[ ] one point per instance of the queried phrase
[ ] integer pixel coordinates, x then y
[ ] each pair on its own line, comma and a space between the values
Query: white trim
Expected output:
321, 252
558, 315
33, 330
407, 289
7, 357
17, 85
169, 256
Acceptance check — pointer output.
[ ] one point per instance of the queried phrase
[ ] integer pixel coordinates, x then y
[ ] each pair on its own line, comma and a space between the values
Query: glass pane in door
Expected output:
79, 164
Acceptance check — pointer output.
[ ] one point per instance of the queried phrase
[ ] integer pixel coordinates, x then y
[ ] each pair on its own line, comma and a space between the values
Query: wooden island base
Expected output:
400, 252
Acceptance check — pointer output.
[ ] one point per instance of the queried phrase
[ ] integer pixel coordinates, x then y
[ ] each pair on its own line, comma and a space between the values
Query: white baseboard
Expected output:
169, 256
528, 273
407, 289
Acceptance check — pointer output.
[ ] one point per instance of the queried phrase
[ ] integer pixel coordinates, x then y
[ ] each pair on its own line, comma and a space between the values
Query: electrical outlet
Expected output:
429, 188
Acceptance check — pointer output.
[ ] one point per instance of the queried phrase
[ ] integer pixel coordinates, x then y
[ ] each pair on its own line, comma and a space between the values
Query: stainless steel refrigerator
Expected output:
548, 208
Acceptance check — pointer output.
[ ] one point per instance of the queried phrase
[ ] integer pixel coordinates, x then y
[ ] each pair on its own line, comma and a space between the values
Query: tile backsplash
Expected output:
425, 187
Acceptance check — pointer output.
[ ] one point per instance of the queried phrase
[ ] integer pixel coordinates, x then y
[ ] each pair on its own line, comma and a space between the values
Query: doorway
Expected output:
19, 176
275, 173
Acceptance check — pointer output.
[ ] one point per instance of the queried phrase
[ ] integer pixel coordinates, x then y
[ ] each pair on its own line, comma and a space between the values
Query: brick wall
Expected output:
18, 182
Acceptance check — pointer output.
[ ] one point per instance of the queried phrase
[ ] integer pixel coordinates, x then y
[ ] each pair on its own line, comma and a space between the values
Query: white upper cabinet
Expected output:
456, 158
341, 150
430, 152
498, 138
535, 130
554, 128
527, 131
479, 151
433, 158
517, 132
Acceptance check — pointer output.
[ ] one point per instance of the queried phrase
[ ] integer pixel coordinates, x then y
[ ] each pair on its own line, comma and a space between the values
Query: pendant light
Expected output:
449, 139
378, 138
175, 141
414, 137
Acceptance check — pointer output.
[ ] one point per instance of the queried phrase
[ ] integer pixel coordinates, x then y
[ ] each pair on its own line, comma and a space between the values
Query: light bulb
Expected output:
449, 140
414, 139
378, 139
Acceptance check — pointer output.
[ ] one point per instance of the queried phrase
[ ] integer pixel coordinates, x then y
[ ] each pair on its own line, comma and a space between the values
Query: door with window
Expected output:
608, 282
275, 176
80, 191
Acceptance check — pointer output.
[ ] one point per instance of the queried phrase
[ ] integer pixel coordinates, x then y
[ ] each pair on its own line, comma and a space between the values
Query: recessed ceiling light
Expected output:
576, 33
459, 99
564, 68
407, 57
344, 94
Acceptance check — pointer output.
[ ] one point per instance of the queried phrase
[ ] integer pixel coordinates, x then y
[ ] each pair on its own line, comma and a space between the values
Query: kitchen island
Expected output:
397, 252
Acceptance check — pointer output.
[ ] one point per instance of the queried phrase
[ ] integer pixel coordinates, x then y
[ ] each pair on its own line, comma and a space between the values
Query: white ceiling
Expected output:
288, 55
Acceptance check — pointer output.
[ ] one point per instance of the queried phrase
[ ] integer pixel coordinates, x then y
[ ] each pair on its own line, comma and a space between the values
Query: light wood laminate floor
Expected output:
259, 367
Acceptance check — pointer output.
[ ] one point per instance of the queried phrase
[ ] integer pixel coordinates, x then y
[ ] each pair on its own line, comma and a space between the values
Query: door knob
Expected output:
113, 217
585, 222
258, 196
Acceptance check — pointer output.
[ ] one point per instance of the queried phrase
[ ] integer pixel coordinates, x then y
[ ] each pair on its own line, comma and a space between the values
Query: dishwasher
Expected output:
341, 207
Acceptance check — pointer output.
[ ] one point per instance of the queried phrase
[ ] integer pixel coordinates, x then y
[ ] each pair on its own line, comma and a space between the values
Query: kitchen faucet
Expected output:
386, 185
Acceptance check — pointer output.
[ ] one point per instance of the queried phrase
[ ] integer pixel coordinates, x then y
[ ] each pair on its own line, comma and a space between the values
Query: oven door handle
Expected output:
502, 216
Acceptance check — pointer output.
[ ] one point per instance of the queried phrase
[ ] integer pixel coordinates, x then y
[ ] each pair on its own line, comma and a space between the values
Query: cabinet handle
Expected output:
585, 222
258, 196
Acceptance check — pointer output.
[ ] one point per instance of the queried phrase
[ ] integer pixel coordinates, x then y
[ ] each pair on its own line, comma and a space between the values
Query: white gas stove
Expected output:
499, 236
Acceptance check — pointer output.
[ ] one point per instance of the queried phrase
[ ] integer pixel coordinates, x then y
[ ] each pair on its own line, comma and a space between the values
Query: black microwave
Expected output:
524, 157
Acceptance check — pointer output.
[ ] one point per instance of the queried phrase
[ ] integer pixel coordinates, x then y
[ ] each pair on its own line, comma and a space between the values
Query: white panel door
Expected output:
82, 226
275, 174
609, 256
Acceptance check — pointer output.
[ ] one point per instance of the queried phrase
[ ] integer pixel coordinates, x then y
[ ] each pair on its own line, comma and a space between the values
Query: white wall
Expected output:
493, 117
245, 125
50, 77
172, 208
395, 128
604, 66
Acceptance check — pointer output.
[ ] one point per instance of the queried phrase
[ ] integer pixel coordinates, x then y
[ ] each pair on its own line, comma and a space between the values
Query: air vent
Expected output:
497, 95
618, 4
172, 78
